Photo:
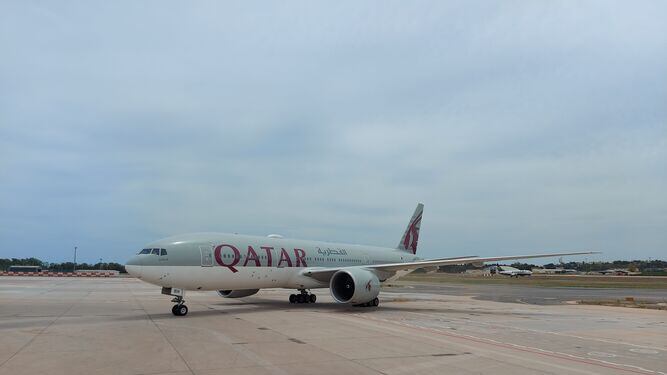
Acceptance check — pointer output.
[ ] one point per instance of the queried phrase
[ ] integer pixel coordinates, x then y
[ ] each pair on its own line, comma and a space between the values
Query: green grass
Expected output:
550, 281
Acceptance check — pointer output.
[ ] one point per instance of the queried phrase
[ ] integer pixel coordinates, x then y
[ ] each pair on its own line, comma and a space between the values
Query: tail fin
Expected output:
409, 240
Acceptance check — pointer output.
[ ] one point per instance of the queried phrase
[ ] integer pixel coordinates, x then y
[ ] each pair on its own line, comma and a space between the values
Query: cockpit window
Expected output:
145, 251
163, 252
156, 252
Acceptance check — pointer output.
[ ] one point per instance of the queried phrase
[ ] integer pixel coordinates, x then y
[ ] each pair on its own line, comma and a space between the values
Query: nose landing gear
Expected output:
179, 308
303, 297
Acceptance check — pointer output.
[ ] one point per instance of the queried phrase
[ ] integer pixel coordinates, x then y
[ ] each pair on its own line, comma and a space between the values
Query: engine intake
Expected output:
355, 286
237, 293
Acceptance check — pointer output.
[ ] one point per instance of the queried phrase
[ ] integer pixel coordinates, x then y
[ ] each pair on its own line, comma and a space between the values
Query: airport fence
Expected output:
61, 274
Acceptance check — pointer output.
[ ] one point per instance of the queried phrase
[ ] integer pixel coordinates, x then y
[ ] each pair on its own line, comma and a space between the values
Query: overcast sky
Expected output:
522, 126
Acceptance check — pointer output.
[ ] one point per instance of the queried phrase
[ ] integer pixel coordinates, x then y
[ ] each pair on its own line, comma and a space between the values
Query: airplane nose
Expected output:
133, 266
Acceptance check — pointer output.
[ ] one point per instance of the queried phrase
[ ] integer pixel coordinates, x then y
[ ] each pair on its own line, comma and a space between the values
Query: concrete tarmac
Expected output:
531, 294
124, 326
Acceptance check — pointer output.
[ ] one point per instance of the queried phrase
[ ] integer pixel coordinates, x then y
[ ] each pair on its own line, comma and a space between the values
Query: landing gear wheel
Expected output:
375, 302
181, 310
302, 297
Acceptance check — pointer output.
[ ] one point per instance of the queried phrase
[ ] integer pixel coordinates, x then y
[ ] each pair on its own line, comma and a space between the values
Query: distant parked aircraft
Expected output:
238, 265
510, 271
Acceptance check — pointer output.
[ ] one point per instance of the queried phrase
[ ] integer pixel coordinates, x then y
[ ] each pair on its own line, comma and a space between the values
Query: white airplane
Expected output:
511, 271
238, 265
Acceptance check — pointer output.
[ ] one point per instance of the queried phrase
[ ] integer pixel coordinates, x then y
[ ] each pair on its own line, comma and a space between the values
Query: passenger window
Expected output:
156, 252
163, 252
145, 251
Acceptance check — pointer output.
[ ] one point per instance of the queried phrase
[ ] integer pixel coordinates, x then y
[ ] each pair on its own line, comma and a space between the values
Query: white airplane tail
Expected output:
409, 240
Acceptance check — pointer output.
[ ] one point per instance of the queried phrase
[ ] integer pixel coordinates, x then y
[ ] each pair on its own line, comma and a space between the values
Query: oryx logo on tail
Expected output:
411, 235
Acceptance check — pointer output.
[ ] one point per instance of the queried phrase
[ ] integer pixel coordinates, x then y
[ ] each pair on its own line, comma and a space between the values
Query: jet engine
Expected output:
354, 285
237, 293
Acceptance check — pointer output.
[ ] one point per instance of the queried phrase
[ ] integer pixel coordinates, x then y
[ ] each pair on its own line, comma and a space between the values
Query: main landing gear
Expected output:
372, 303
303, 297
179, 308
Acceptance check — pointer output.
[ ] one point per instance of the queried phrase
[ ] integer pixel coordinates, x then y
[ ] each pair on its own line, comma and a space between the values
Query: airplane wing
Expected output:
389, 269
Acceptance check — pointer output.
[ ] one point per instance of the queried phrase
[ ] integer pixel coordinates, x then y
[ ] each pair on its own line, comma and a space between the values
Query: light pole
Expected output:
74, 258
100, 264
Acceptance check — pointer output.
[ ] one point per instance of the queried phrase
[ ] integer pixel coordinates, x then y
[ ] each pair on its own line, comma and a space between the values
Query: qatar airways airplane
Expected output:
238, 266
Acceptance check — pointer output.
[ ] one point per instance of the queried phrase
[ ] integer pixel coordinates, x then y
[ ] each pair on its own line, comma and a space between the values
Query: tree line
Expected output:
60, 267
653, 265
644, 266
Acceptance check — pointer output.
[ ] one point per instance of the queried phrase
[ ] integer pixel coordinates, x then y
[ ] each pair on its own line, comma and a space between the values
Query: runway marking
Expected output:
523, 348
472, 347
644, 351
554, 333
601, 354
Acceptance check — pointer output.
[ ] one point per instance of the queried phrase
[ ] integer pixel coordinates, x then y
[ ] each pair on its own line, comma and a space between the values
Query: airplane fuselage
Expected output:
239, 266
217, 261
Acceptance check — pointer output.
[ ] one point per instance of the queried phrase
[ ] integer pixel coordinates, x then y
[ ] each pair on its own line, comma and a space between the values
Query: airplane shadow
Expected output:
237, 308
254, 305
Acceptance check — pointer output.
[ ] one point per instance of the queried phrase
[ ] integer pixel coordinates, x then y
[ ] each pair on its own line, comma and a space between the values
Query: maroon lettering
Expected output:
284, 257
268, 254
251, 255
218, 257
299, 255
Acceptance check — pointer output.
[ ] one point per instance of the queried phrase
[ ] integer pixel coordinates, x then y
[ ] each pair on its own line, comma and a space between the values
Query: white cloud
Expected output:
522, 126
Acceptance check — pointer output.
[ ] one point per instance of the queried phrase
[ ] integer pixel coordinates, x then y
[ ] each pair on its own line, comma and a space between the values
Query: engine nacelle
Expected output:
354, 285
237, 293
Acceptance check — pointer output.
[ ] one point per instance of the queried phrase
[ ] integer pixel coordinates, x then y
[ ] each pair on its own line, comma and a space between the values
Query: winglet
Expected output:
411, 236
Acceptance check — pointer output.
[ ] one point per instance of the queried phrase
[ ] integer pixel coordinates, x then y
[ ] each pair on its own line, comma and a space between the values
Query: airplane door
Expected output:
206, 255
